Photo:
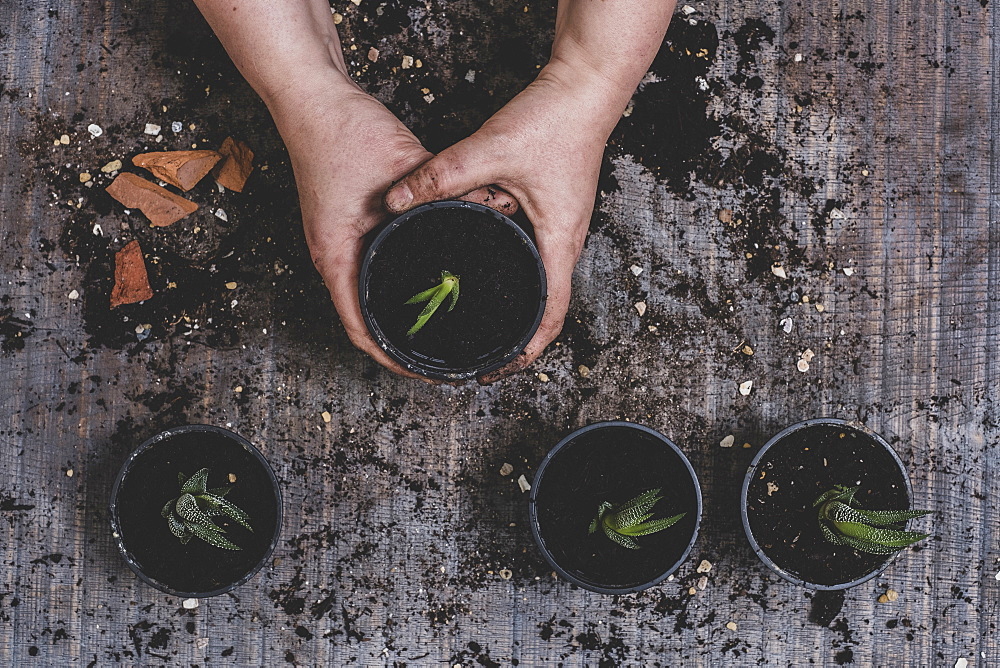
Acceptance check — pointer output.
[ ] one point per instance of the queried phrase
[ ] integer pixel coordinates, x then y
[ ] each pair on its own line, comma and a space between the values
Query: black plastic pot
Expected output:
148, 479
502, 283
822, 452
612, 461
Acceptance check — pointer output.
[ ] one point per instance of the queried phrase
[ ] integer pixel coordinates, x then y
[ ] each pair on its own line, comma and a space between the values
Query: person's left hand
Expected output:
544, 148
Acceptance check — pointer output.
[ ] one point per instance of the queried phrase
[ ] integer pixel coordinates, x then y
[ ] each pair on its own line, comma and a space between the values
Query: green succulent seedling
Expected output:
872, 531
623, 523
190, 514
434, 297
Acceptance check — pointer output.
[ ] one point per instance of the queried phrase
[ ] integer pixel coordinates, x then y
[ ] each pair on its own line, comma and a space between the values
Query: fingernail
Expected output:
399, 197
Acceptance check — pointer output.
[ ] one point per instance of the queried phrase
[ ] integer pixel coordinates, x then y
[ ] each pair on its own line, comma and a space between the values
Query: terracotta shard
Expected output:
236, 165
131, 279
183, 169
161, 206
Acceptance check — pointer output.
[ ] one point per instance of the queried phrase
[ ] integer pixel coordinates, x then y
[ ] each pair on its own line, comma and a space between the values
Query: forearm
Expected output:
607, 46
281, 46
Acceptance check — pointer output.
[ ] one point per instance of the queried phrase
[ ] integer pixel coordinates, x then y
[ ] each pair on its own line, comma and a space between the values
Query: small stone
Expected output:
692, 591
373, 54
786, 325
705, 566
84, 177
725, 216
429, 98
652, 328
731, 626
238, 389
176, 126
702, 582
506, 574
522, 482
848, 271
190, 603
746, 387
808, 355
326, 416
802, 366
64, 139
201, 643
962, 663
837, 214
771, 488
407, 62
506, 469
892, 595
883, 599
470, 76
641, 308
797, 58
231, 285
222, 215
778, 271
73, 294
113, 166
746, 350
337, 18
69, 473
688, 10
152, 129
820, 308
635, 269
231, 477
583, 370
727, 442
95, 130
356, 2
544, 377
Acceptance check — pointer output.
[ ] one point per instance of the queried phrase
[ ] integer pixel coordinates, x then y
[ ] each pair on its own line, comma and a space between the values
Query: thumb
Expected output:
448, 175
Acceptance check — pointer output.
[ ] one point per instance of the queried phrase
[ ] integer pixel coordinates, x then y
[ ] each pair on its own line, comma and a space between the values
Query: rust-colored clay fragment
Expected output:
131, 280
178, 168
236, 165
161, 206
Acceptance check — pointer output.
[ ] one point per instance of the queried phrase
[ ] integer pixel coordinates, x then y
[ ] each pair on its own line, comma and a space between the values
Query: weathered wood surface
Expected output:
398, 521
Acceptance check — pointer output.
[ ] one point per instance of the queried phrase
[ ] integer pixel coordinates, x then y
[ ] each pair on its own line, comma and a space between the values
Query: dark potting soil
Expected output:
152, 481
498, 279
802, 466
614, 464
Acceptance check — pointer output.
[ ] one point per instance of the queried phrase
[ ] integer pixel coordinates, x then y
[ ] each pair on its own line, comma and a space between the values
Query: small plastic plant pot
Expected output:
613, 462
781, 485
149, 479
501, 299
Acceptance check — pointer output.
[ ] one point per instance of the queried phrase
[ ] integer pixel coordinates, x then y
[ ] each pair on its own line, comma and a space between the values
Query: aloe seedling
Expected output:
190, 514
871, 531
623, 523
434, 298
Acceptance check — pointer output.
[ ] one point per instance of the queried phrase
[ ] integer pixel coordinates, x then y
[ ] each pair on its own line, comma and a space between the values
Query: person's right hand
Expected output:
347, 149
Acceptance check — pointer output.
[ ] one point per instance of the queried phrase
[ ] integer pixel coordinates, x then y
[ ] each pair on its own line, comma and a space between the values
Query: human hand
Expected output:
346, 150
545, 148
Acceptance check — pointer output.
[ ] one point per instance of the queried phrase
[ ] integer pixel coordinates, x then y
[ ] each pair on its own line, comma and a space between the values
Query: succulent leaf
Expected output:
168, 509
196, 484
181, 478
652, 527
209, 536
219, 491
187, 508
631, 518
621, 539
223, 507
177, 527
434, 297
870, 531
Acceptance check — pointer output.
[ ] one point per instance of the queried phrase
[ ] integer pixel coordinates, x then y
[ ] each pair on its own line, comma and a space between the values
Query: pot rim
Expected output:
165, 435
752, 468
533, 512
443, 372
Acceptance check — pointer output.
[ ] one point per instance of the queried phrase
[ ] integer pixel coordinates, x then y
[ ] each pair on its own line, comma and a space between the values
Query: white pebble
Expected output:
635, 269
73, 294
152, 129
95, 130
221, 214
176, 126
848, 271
802, 366
786, 325
523, 483
641, 308
190, 603
962, 663
746, 387
727, 442
778, 271
470, 76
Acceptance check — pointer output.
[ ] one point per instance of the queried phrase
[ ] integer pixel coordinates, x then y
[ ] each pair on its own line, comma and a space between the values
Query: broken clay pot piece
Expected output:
131, 279
161, 206
183, 169
237, 163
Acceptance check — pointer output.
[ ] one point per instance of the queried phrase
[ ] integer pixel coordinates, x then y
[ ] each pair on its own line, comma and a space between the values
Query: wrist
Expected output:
601, 98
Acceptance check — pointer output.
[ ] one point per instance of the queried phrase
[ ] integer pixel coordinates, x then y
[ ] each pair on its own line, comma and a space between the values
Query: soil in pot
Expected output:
152, 481
499, 287
798, 469
614, 464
